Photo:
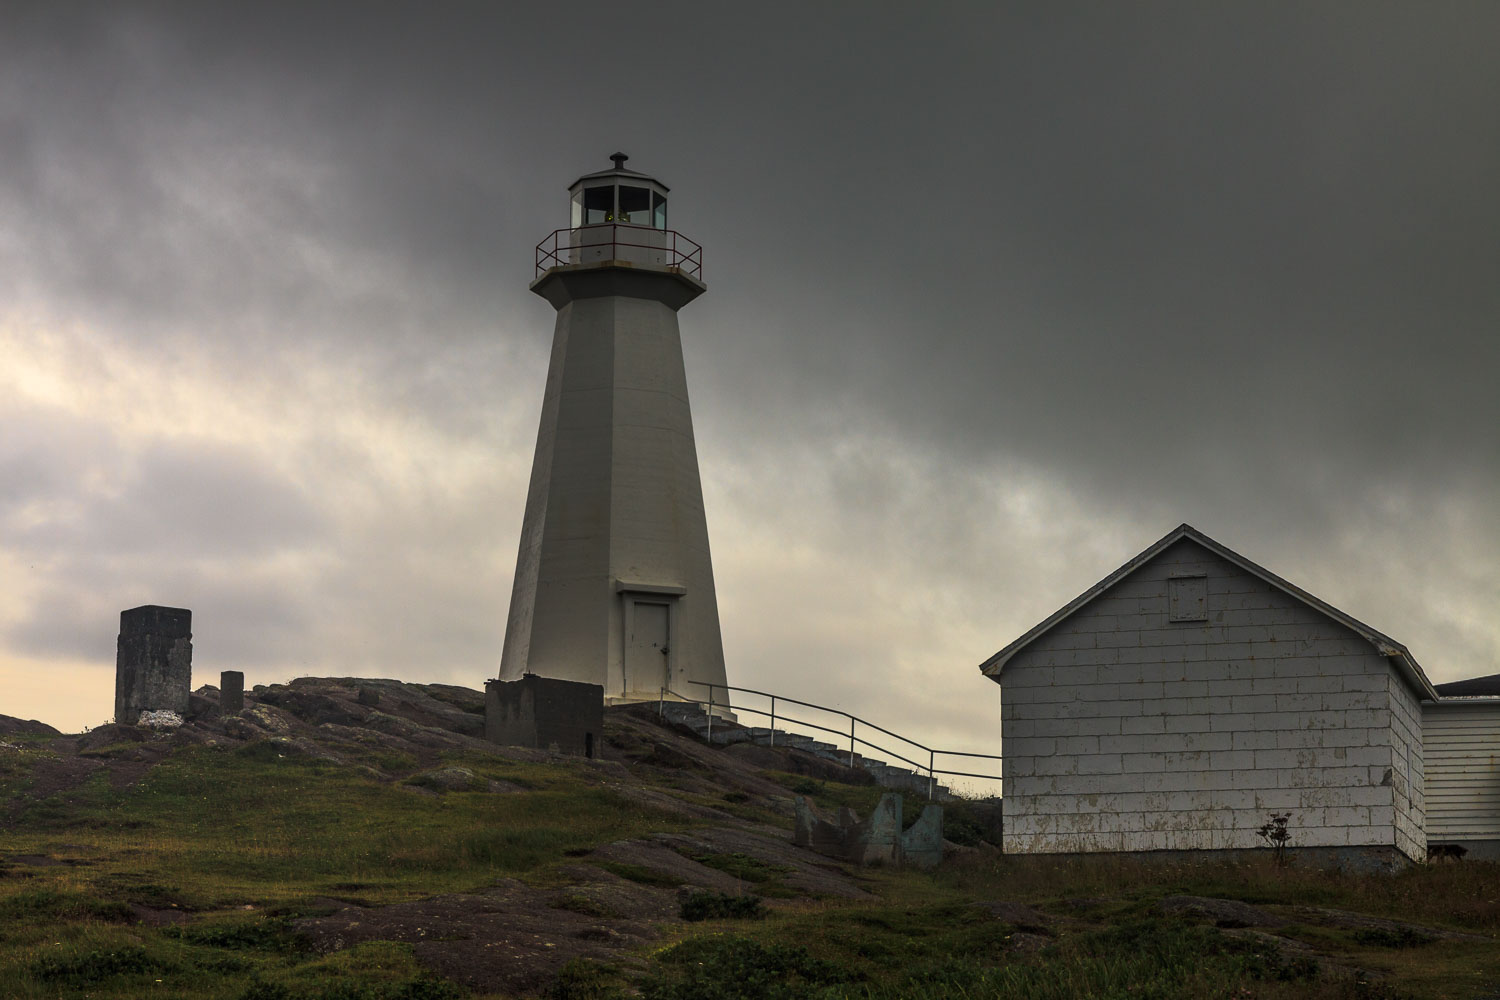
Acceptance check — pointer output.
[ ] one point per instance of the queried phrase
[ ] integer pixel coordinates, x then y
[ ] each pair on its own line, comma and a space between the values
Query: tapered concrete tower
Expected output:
614, 585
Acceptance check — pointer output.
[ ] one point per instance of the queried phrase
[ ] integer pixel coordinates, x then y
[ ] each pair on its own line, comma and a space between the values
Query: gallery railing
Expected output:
567, 246
930, 768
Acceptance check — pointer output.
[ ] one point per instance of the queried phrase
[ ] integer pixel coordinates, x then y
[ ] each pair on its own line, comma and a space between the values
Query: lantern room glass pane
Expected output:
635, 206
658, 210
577, 209
598, 205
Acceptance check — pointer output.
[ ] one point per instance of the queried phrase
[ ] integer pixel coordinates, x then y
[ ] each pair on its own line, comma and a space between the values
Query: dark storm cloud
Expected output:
999, 293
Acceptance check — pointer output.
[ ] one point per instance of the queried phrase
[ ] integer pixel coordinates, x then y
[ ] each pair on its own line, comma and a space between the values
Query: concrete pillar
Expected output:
231, 692
153, 662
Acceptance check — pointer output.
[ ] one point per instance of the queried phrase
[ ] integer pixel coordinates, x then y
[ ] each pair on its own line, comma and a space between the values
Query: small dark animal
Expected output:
1446, 852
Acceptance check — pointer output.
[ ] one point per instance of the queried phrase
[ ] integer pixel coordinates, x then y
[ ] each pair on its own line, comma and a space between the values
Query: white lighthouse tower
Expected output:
614, 585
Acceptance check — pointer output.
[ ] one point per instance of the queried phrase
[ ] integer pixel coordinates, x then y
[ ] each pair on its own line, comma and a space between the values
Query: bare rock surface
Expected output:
11, 726
666, 862
108, 735
511, 938
801, 869
1223, 912
1360, 922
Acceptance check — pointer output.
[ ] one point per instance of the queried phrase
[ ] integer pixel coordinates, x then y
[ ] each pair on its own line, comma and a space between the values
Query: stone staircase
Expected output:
898, 777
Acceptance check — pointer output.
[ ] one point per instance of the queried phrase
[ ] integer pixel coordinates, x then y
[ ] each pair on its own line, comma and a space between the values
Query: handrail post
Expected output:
931, 778
661, 704
773, 720
851, 741
711, 713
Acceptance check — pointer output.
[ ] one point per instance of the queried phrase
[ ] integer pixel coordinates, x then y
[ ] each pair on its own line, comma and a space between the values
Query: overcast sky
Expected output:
998, 295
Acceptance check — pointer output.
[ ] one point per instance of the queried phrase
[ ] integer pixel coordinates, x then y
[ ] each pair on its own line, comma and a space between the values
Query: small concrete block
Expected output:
231, 692
538, 712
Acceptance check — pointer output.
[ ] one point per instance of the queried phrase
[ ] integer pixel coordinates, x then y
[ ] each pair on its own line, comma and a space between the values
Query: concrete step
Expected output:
726, 736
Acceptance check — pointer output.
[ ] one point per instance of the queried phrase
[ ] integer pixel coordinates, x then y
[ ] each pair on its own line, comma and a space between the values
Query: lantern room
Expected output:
619, 196
619, 220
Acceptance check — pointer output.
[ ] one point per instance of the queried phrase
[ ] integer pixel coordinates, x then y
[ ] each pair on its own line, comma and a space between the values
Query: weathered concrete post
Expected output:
153, 662
231, 691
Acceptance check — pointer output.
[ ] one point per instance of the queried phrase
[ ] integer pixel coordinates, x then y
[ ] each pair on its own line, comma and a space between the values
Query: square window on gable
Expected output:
1187, 598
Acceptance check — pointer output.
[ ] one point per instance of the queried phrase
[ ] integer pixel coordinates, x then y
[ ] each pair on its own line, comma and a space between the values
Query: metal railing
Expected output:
560, 250
852, 735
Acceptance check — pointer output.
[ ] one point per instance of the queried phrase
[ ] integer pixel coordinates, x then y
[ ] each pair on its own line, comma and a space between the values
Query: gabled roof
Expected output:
1384, 644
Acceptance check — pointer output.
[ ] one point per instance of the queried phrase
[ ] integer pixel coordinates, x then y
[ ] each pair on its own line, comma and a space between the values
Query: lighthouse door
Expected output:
648, 648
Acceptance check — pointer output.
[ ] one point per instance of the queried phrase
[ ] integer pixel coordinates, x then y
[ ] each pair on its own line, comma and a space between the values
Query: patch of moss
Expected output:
638, 873
742, 866
578, 902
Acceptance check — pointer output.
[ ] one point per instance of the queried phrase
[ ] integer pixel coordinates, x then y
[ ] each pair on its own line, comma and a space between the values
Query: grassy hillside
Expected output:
321, 849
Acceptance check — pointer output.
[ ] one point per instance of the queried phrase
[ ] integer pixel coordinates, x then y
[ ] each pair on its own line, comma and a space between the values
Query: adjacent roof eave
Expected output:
1399, 655
1471, 686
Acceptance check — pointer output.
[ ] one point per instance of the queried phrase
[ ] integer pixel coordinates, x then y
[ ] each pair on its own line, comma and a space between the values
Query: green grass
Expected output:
924, 938
213, 828
933, 952
211, 831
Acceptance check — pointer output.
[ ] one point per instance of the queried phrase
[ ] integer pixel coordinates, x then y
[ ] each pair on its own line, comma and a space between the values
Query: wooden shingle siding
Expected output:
1461, 743
1124, 731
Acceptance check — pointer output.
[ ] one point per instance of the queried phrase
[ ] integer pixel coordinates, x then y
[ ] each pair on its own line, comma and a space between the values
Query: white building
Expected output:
1461, 761
614, 584
1189, 695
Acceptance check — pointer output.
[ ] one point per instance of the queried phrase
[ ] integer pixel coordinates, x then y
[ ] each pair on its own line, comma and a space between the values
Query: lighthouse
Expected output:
614, 584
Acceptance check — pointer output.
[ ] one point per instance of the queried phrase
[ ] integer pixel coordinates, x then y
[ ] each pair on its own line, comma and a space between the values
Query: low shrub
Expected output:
585, 979
258, 990
49, 904
412, 989
90, 967
721, 906
1401, 937
735, 968
273, 935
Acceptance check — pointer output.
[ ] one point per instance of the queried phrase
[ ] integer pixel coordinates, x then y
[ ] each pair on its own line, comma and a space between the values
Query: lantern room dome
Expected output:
620, 197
